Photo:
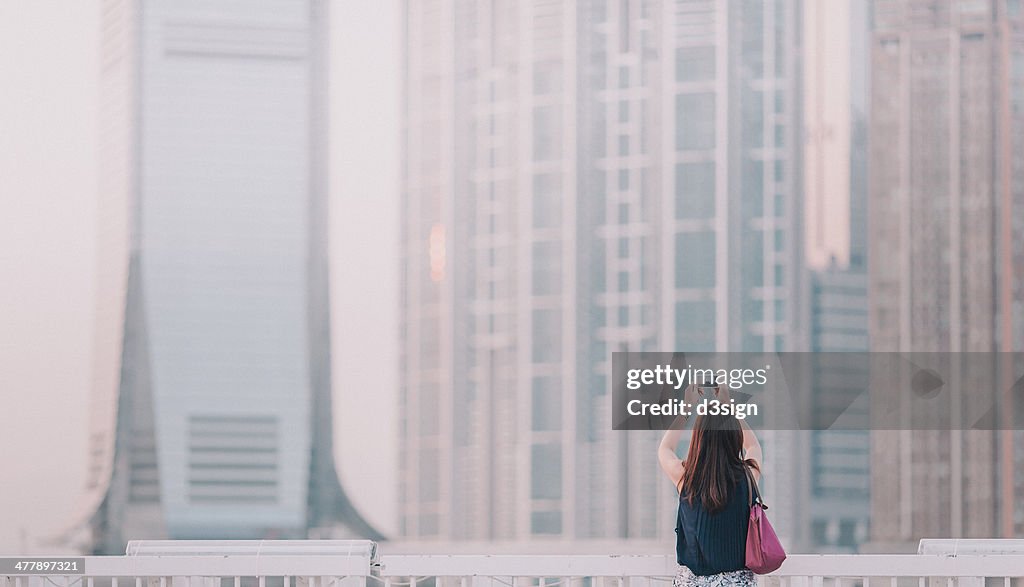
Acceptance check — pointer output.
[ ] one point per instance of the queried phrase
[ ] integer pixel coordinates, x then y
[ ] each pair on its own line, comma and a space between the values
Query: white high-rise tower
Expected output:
211, 415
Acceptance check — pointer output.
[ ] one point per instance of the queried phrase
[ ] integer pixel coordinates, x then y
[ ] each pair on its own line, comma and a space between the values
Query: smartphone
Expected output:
708, 384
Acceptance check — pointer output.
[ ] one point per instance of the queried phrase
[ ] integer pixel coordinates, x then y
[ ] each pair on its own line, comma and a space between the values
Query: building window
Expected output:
695, 64
752, 261
429, 475
819, 530
695, 326
752, 37
547, 336
428, 525
695, 190
547, 268
547, 77
847, 532
546, 471
546, 133
695, 121
547, 201
695, 259
755, 310
546, 523
753, 119
547, 403
753, 343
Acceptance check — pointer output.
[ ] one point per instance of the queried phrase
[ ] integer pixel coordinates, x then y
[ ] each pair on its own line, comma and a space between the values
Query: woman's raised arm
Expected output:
669, 460
751, 448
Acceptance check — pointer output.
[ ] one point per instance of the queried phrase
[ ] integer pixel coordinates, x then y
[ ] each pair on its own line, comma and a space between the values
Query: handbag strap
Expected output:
755, 493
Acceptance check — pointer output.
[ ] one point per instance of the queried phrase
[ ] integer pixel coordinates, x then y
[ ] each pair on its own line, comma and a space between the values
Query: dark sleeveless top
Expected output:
709, 543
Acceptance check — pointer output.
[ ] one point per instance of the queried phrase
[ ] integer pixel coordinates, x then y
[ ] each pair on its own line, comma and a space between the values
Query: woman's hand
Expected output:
751, 448
695, 394
691, 395
722, 394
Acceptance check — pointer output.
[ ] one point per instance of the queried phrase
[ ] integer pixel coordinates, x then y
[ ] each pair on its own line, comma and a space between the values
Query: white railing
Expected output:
210, 563
304, 570
657, 571
204, 571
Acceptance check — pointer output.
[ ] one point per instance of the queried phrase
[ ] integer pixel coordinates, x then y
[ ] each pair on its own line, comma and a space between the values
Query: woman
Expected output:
714, 496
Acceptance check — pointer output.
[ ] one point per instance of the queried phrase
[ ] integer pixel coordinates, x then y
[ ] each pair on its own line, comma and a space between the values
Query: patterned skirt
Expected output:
741, 578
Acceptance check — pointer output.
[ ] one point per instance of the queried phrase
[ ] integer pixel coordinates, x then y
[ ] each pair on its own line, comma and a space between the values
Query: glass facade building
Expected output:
581, 178
838, 500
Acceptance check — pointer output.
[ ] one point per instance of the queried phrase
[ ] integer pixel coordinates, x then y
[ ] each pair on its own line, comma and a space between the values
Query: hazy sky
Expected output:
48, 120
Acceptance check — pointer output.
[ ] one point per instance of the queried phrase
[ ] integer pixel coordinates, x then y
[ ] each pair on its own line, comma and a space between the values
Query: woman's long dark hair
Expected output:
713, 464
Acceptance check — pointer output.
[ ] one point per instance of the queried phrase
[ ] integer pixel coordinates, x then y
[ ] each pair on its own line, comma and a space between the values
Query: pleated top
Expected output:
709, 543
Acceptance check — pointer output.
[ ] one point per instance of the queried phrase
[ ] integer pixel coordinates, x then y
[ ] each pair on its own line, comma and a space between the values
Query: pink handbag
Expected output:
764, 551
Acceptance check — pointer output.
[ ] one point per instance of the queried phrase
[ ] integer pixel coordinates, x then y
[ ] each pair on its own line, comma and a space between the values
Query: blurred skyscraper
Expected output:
835, 113
582, 178
836, 505
212, 399
946, 247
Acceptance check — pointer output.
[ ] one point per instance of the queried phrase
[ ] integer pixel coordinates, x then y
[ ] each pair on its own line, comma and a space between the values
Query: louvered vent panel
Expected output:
233, 459
234, 40
695, 22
